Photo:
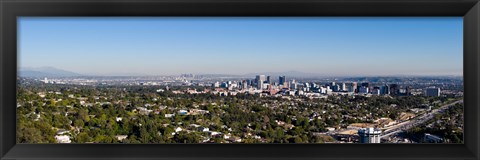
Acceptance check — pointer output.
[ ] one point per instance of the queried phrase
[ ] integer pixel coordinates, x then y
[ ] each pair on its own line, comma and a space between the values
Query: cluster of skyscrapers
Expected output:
265, 83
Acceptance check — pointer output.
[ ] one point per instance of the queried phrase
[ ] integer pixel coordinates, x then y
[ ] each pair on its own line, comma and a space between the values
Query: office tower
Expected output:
343, 87
269, 81
351, 87
306, 85
408, 90
363, 89
369, 135
260, 79
244, 85
249, 82
281, 80
233, 85
432, 92
376, 90
335, 88
224, 85
354, 86
363, 86
322, 90
286, 85
331, 84
394, 89
216, 84
384, 90
266, 86
293, 86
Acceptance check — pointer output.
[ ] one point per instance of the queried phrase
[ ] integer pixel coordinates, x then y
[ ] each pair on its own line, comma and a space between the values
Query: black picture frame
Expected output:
11, 9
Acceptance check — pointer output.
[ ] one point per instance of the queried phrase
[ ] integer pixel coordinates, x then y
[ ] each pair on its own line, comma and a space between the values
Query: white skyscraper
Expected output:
45, 80
369, 135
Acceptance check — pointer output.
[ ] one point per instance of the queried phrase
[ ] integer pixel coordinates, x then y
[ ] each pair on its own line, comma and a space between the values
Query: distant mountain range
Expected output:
40, 72
46, 72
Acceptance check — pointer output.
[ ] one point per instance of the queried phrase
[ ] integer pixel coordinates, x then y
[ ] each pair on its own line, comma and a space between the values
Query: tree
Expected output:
83, 115
298, 140
79, 123
82, 138
393, 116
168, 131
52, 103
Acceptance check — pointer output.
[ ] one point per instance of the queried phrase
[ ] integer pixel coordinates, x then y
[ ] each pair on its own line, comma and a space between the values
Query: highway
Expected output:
415, 121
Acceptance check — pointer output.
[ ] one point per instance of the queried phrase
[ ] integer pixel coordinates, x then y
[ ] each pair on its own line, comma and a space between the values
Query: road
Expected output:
416, 121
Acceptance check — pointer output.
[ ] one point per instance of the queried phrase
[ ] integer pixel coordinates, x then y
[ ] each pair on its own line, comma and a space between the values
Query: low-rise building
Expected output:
63, 139
121, 137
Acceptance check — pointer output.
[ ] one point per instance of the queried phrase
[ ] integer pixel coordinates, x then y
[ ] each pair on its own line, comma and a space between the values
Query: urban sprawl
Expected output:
232, 109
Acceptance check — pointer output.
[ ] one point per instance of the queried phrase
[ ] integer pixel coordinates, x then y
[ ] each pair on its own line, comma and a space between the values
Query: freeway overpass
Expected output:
416, 121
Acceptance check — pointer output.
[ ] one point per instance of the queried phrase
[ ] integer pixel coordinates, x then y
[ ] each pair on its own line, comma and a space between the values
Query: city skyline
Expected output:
238, 46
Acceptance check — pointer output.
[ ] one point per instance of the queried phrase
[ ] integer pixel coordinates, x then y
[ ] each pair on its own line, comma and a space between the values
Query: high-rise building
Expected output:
354, 86
384, 90
369, 135
293, 86
376, 91
331, 84
269, 81
266, 86
402, 92
363, 89
432, 92
259, 80
224, 85
408, 90
313, 85
281, 80
394, 89
306, 85
45, 80
286, 85
349, 87
244, 84
335, 88
249, 82
216, 84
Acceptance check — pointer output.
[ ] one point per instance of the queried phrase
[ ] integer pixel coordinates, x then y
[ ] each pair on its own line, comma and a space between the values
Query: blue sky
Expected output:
174, 45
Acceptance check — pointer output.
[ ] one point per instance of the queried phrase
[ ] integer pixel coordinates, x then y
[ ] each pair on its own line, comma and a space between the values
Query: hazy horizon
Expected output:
239, 46
285, 73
